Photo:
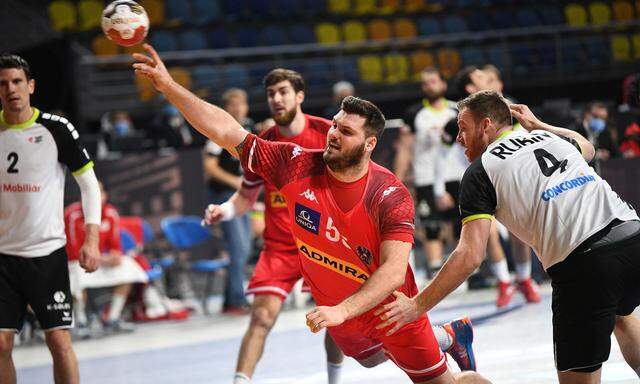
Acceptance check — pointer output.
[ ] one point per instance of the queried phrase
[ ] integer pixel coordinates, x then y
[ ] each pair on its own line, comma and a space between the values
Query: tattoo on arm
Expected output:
239, 148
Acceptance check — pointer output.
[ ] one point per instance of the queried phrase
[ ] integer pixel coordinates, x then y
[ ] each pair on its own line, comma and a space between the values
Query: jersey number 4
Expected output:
543, 157
13, 160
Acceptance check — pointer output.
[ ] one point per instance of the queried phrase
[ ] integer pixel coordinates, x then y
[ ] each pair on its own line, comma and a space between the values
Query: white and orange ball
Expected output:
125, 22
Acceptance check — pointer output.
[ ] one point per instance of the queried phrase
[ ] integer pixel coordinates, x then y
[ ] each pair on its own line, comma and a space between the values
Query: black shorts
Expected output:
589, 289
430, 217
42, 283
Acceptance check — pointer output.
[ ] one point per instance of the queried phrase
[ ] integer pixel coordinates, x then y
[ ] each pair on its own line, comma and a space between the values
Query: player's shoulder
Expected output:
475, 171
382, 181
319, 124
57, 125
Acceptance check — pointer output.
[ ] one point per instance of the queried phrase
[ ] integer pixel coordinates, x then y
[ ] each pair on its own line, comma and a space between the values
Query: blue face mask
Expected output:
121, 128
596, 125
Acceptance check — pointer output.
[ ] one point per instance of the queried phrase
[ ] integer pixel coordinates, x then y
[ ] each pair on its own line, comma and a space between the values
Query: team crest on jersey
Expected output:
307, 218
364, 254
309, 195
277, 200
35, 139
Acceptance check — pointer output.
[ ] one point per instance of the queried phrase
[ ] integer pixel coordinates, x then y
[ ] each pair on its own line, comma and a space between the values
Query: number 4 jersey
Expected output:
539, 186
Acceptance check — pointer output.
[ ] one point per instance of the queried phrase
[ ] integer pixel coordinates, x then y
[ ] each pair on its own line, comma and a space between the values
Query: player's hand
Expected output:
445, 202
322, 317
152, 68
402, 311
525, 117
89, 256
213, 214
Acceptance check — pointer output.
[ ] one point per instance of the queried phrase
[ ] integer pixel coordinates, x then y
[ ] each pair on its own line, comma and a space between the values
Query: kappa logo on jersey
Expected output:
364, 254
307, 218
277, 200
309, 195
297, 151
35, 139
566, 186
388, 191
334, 264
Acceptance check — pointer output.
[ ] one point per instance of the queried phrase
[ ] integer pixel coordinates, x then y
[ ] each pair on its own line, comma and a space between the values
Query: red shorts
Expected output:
276, 273
413, 348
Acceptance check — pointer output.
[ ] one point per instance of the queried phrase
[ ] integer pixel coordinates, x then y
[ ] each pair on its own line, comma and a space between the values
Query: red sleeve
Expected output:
251, 180
267, 159
114, 234
396, 214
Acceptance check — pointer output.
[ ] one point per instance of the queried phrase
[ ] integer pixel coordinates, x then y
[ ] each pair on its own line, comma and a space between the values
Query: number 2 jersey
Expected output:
539, 186
338, 250
32, 155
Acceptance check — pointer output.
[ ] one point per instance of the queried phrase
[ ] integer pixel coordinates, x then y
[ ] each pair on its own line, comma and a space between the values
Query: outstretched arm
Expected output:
211, 121
529, 121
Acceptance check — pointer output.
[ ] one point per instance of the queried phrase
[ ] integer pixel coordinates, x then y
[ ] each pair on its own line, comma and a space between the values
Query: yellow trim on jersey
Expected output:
334, 264
82, 170
428, 105
26, 124
476, 217
504, 133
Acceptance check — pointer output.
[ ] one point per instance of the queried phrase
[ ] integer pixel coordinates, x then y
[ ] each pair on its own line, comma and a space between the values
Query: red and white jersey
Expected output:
277, 233
75, 231
339, 250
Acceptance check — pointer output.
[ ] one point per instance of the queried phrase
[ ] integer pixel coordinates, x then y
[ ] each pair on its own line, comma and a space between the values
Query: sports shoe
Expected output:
236, 310
505, 294
118, 326
461, 332
529, 289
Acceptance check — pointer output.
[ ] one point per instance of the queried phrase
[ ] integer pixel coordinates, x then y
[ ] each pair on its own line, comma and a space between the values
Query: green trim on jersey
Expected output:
82, 170
476, 217
430, 107
503, 134
26, 124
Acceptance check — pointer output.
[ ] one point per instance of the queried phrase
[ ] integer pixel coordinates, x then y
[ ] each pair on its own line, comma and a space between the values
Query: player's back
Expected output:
546, 193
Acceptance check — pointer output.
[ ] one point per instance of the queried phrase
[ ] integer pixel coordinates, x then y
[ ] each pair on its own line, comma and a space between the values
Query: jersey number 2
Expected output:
543, 156
13, 158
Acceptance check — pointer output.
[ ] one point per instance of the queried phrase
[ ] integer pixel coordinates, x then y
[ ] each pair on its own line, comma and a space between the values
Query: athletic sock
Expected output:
523, 271
443, 337
241, 378
333, 372
500, 270
117, 304
81, 313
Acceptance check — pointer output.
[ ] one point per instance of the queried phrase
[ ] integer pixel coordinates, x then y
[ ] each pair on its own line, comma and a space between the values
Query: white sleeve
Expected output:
91, 200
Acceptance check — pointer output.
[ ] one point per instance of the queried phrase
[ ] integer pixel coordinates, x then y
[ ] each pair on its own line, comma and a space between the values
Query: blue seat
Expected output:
472, 56
219, 38
528, 18
552, 15
164, 41
455, 24
572, 54
184, 233
155, 272
302, 34
503, 20
178, 11
235, 75
260, 8
523, 58
597, 51
274, 35
548, 58
127, 241
192, 40
284, 9
247, 36
312, 8
347, 68
206, 77
495, 56
478, 21
147, 231
205, 11
234, 9
318, 72
429, 26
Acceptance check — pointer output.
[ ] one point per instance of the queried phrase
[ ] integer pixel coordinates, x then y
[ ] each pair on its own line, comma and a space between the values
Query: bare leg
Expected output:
433, 248
496, 253
627, 333
264, 312
7, 369
458, 378
335, 357
65, 364
580, 377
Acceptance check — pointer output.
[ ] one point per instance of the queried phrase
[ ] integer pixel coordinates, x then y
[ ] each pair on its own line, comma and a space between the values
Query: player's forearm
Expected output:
588, 150
206, 118
244, 199
454, 272
92, 234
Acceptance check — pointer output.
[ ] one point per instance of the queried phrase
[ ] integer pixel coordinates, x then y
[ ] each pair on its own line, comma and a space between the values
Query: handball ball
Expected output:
125, 22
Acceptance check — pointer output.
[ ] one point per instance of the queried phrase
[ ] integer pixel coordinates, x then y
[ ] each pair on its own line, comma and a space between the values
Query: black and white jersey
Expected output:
32, 155
539, 186
427, 124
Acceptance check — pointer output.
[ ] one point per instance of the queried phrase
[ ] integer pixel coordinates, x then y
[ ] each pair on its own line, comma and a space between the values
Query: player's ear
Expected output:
300, 97
370, 143
32, 86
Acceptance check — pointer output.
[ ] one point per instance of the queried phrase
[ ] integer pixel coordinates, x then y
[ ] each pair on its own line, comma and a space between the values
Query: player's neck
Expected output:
351, 174
296, 126
502, 132
14, 118
437, 103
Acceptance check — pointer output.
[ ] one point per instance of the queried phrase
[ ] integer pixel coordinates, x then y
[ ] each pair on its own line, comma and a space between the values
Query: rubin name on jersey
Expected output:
502, 150
20, 188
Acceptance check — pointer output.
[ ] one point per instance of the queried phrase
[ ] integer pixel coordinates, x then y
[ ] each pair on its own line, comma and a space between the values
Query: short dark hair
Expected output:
430, 70
462, 79
374, 119
8, 61
488, 104
281, 74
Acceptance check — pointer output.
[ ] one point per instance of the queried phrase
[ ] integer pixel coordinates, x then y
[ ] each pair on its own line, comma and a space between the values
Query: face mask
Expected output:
121, 128
596, 125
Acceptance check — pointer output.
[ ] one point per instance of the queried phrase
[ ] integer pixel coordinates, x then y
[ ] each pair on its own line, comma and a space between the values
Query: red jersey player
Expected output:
353, 246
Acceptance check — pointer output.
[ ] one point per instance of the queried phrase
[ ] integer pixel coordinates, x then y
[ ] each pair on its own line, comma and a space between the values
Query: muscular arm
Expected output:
404, 154
530, 122
211, 121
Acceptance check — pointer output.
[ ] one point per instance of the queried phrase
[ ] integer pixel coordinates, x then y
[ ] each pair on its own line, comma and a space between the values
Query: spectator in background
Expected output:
172, 129
117, 124
116, 270
341, 89
224, 171
595, 128
628, 118
494, 78
468, 80
630, 146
